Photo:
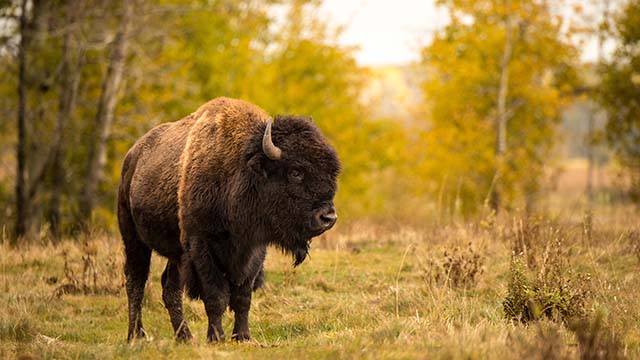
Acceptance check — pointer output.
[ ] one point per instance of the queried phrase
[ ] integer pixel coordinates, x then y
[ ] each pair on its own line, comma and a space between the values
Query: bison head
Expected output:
295, 170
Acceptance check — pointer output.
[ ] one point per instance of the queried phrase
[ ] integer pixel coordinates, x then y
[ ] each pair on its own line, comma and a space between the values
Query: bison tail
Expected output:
191, 281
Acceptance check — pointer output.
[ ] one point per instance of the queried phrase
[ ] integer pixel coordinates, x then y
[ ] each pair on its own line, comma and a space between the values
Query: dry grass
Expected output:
366, 292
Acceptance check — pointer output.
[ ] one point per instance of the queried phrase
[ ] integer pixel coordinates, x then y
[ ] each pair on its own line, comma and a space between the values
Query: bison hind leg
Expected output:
136, 268
137, 263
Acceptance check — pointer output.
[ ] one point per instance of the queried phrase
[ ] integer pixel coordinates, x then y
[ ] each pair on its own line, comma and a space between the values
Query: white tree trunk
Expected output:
502, 113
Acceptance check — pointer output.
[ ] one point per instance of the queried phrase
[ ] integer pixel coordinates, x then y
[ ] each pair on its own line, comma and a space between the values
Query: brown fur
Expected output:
202, 193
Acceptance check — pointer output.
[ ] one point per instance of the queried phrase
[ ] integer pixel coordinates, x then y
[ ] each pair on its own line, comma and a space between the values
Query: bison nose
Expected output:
326, 218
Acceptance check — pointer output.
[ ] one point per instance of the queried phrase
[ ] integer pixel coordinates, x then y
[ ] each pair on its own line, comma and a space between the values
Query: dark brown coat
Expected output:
210, 192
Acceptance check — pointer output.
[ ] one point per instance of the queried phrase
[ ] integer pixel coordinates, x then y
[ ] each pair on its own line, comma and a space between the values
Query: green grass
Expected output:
360, 295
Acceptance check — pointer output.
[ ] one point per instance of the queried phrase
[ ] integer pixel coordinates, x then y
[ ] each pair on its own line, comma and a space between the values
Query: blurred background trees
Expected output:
83, 80
619, 92
499, 74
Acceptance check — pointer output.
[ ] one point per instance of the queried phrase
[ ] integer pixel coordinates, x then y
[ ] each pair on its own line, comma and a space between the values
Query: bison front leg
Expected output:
240, 303
215, 288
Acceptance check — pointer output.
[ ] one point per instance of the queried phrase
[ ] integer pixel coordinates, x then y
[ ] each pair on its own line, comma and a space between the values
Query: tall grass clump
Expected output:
22, 329
596, 341
634, 243
547, 342
541, 281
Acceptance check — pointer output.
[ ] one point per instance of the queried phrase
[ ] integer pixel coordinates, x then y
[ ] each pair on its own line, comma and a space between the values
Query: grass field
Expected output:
365, 292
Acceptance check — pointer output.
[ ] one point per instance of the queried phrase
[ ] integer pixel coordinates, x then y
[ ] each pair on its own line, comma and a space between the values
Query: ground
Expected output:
365, 292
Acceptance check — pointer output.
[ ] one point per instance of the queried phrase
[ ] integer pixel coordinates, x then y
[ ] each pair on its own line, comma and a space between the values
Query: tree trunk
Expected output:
591, 120
502, 116
22, 205
104, 116
70, 77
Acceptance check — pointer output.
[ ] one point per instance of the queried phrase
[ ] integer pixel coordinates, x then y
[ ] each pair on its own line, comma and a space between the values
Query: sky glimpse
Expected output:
392, 32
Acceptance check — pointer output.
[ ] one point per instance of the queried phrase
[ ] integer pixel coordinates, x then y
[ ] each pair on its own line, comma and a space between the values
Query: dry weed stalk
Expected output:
587, 226
96, 278
396, 288
634, 242
458, 268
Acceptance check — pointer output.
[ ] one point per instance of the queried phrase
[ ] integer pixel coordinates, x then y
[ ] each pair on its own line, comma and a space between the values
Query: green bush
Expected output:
554, 295
541, 283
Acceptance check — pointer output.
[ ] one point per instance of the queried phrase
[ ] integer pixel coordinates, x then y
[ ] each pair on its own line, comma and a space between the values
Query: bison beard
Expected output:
300, 254
210, 192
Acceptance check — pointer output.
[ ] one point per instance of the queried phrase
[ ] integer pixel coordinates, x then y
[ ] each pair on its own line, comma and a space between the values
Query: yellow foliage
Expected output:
461, 99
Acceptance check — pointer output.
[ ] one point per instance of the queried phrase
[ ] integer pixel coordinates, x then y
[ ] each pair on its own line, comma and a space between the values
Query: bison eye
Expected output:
295, 176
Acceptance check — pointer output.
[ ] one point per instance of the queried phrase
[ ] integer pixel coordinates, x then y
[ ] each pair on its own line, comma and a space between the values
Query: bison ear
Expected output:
255, 165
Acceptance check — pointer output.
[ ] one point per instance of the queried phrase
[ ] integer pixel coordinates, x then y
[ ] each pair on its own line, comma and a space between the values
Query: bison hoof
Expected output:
241, 336
215, 339
184, 336
139, 334
215, 336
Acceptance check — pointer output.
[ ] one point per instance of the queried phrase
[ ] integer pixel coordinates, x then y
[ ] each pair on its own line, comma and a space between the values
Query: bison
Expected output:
210, 192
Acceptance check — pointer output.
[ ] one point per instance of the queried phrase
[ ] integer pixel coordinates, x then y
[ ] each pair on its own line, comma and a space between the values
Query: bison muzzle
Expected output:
210, 192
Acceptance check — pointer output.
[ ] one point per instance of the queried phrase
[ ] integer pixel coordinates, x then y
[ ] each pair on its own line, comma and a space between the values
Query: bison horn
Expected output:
273, 152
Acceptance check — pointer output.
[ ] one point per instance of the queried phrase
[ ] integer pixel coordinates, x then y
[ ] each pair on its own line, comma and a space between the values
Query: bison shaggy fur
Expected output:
210, 192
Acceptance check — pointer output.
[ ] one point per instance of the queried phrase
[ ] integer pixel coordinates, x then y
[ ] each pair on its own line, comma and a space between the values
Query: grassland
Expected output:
366, 292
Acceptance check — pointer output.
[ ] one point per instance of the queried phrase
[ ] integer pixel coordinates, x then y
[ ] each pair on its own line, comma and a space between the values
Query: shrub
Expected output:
549, 294
541, 283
